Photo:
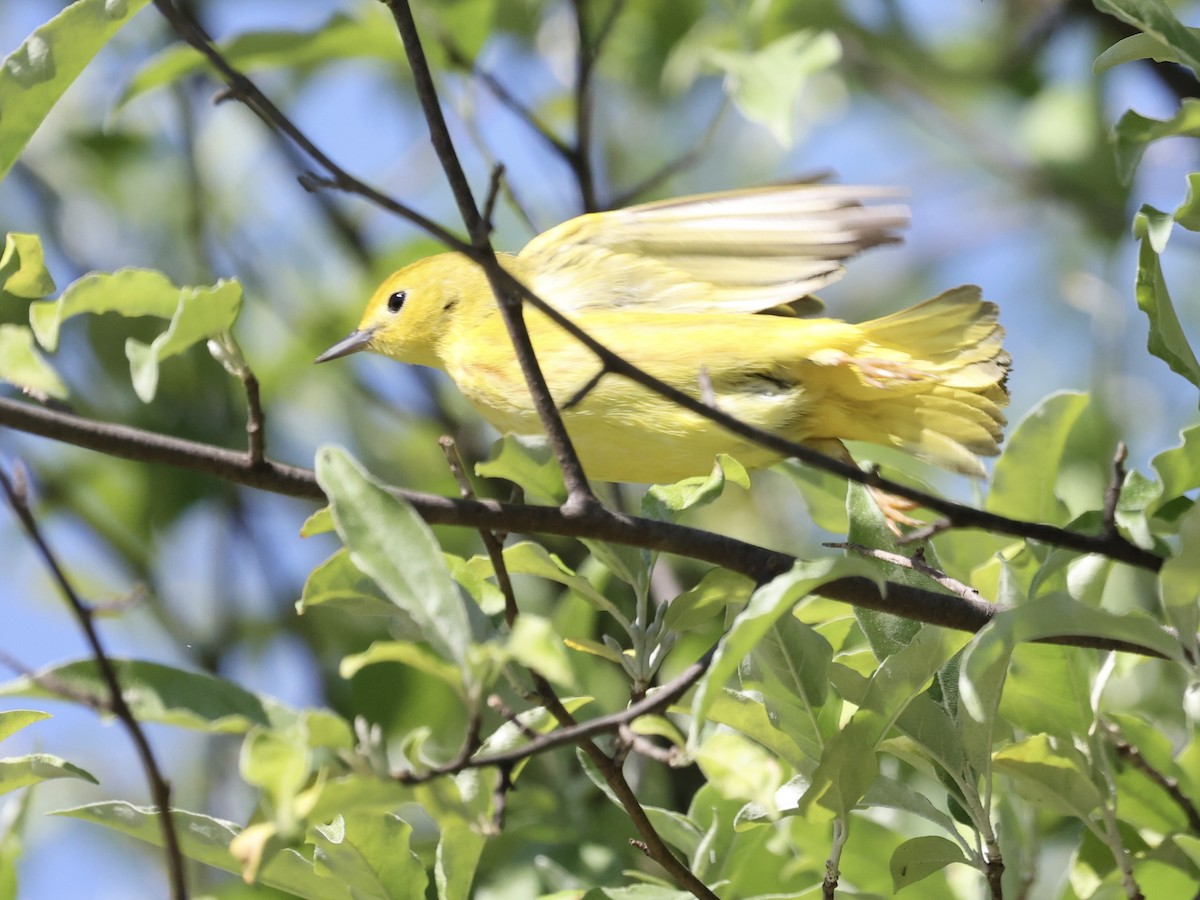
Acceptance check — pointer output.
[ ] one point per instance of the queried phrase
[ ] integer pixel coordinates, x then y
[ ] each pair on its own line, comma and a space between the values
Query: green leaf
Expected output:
1167, 340
1023, 482
458, 853
766, 84
534, 644
372, 856
1178, 468
666, 501
790, 668
1158, 22
21, 771
824, 494
130, 292
339, 37
405, 653
747, 714
1187, 213
887, 633
716, 591
1179, 580
740, 769
770, 602
339, 583
22, 266
389, 542
1052, 772
1134, 133
158, 693
528, 558
206, 839
526, 461
13, 720
279, 764
37, 73
1132, 48
920, 857
23, 366
201, 313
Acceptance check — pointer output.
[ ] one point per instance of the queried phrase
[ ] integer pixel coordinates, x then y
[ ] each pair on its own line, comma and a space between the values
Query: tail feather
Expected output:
931, 380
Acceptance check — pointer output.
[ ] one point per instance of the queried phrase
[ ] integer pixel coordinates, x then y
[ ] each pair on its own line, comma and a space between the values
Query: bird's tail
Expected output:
931, 381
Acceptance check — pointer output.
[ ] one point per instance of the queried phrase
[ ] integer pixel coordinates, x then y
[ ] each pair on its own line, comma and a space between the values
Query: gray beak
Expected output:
358, 340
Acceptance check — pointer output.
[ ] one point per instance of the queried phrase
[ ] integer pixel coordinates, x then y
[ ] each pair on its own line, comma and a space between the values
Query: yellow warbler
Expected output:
673, 287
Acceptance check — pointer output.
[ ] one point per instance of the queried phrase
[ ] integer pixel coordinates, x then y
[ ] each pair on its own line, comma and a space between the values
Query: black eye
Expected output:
396, 301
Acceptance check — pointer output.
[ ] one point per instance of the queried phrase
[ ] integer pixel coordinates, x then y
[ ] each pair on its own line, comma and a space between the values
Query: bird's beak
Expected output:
357, 340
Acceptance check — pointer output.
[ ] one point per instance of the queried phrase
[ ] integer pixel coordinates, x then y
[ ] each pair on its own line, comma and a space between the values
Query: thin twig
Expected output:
579, 494
579, 396
642, 745
506, 97
492, 542
684, 161
1134, 757
489, 204
1113, 495
160, 790
916, 562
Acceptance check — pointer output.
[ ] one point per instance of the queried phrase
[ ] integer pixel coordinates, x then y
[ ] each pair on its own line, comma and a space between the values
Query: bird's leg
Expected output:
895, 509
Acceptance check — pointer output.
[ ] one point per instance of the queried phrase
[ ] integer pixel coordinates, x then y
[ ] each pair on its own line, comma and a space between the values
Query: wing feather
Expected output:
737, 251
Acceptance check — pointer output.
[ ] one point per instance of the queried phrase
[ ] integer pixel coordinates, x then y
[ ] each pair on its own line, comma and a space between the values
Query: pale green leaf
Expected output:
389, 542
372, 856
39, 71
339, 583
1187, 213
339, 37
1156, 20
159, 693
1051, 772
920, 857
23, 366
202, 313
206, 840
770, 602
458, 852
748, 715
767, 83
534, 644
22, 266
526, 461
13, 720
21, 771
1134, 133
666, 501
1023, 482
1167, 340
407, 653
1179, 580
716, 591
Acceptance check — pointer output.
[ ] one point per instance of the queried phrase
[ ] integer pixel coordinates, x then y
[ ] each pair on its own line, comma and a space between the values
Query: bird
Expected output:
702, 293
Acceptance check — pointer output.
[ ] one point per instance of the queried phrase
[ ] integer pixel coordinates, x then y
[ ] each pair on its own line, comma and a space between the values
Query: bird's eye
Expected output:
396, 300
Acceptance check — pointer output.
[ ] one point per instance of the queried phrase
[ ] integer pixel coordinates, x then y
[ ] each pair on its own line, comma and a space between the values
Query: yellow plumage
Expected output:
673, 288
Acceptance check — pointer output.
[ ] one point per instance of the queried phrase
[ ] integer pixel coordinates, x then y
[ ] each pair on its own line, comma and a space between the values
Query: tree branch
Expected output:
160, 790
758, 563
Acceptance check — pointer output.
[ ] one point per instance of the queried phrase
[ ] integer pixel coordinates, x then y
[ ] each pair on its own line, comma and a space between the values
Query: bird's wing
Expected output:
737, 251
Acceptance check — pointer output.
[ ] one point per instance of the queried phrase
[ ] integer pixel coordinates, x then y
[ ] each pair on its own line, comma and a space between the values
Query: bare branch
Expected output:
917, 563
1113, 495
160, 790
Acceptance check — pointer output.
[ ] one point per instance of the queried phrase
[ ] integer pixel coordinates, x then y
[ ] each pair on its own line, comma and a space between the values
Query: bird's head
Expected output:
415, 309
